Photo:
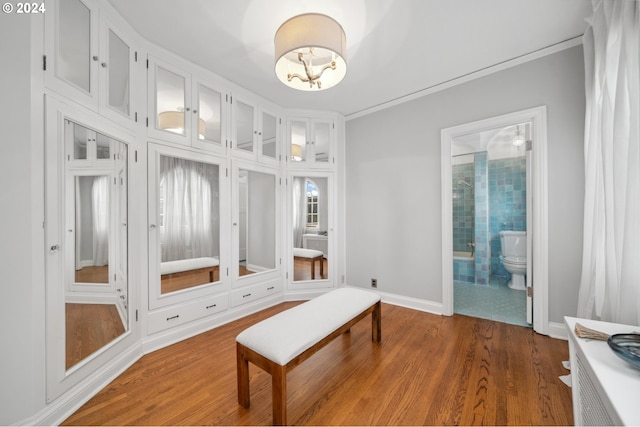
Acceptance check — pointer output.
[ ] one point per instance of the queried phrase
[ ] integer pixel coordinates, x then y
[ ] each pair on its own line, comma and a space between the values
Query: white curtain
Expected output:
299, 210
610, 282
189, 209
100, 213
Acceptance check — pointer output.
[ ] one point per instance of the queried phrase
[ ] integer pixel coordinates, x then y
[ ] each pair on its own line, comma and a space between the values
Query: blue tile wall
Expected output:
482, 241
463, 207
507, 203
464, 270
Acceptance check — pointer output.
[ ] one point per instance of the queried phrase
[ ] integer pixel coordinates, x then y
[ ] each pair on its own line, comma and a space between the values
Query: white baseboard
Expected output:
558, 330
69, 402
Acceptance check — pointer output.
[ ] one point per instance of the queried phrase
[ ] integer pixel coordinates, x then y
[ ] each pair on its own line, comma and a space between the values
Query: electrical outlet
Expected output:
374, 283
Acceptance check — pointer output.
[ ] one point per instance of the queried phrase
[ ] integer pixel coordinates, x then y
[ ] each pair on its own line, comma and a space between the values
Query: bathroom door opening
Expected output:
498, 163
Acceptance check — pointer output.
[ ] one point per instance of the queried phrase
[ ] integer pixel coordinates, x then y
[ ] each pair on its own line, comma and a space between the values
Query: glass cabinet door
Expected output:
170, 101
118, 75
298, 137
209, 115
244, 126
73, 51
269, 135
321, 141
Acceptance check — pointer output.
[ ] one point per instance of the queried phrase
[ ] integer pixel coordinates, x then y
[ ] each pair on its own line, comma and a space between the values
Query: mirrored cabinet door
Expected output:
96, 285
255, 222
186, 258
170, 101
321, 141
310, 219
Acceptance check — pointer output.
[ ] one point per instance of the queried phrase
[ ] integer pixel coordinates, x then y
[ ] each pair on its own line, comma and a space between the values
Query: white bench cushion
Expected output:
306, 253
285, 335
170, 267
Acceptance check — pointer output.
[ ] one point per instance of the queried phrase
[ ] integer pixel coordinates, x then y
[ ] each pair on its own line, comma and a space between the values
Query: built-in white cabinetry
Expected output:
604, 387
255, 130
310, 142
89, 58
186, 108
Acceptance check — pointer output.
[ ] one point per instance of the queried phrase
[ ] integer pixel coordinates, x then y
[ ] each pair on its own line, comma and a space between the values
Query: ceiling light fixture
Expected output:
173, 121
310, 52
519, 139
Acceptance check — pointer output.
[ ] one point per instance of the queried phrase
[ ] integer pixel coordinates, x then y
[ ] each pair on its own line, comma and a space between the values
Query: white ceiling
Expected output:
395, 48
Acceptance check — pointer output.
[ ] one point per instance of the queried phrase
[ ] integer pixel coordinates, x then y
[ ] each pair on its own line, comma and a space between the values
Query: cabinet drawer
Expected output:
184, 313
255, 292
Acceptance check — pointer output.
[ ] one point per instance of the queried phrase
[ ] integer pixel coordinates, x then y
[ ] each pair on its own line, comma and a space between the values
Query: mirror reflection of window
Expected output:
310, 225
189, 223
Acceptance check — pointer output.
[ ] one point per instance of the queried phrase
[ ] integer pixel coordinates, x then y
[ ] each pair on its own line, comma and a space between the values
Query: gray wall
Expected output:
21, 219
393, 184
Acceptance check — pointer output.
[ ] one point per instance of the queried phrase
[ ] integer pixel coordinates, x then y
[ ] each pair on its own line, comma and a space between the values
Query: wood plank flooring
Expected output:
428, 370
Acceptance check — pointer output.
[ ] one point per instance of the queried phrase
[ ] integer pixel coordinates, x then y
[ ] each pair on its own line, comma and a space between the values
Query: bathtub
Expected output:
464, 267
462, 255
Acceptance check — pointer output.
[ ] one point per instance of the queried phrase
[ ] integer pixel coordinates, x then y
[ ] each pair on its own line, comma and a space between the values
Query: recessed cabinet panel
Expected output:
118, 80
170, 101
73, 53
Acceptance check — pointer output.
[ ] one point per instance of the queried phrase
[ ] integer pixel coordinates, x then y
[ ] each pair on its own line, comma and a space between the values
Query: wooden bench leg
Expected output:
279, 394
321, 267
243, 377
313, 268
376, 323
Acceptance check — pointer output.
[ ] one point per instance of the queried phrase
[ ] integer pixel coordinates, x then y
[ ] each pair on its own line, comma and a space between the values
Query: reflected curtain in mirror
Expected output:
92, 229
189, 223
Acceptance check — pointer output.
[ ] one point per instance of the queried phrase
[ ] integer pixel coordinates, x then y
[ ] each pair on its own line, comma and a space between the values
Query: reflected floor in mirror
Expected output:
89, 327
302, 270
93, 274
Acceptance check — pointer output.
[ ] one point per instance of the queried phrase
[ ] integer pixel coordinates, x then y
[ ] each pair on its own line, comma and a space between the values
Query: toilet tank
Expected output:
513, 243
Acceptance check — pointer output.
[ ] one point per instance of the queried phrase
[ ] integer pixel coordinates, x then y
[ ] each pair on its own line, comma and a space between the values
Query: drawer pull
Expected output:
247, 295
211, 306
270, 288
173, 317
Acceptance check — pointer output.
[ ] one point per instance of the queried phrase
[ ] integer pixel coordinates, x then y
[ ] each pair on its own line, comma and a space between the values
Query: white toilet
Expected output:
514, 257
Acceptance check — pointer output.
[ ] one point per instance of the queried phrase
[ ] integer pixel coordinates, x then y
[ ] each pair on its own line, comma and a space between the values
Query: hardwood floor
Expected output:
88, 328
428, 370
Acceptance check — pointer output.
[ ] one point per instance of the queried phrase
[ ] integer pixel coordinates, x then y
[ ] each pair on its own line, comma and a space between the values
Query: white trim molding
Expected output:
538, 119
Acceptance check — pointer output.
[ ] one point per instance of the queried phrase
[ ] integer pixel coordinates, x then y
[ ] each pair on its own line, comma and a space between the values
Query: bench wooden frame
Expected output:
279, 372
313, 264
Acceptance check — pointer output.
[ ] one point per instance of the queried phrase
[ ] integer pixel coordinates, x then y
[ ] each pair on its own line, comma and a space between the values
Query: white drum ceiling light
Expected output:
310, 52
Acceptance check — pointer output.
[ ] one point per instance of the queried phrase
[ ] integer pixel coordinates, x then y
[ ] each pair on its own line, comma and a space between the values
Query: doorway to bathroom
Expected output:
494, 219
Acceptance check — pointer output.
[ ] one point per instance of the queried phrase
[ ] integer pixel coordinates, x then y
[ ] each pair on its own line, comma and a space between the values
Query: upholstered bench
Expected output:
281, 342
186, 272
312, 256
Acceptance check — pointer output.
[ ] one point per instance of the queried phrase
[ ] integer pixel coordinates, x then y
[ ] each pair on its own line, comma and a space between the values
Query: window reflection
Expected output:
310, 225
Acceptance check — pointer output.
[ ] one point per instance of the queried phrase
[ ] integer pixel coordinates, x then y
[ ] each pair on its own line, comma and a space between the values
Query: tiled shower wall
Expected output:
496, 202
507, 203
463, 207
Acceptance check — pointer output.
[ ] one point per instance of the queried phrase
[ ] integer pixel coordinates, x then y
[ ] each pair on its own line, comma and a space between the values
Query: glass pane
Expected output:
118, 70
244, 126
82, 138
298, 140
256, 222
170, 92
321, 142
103, 145
269, 126
74, 43
189, 209
310, 225
209, 115
92, 229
